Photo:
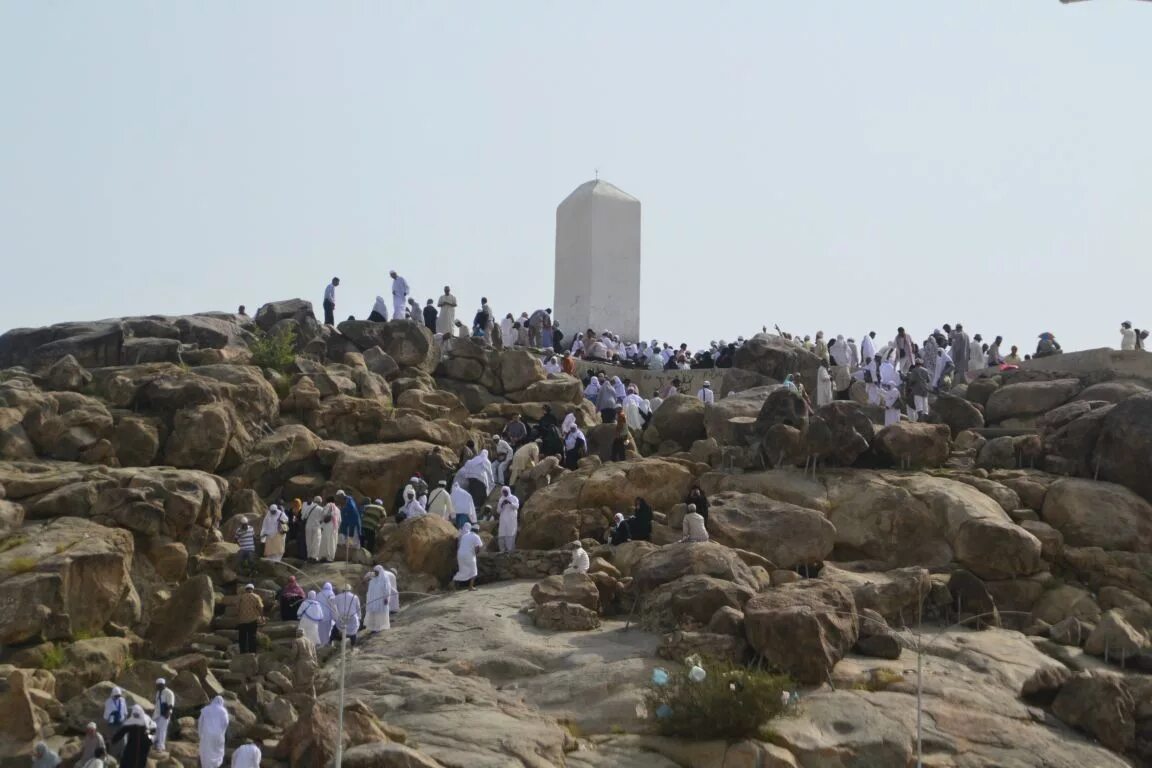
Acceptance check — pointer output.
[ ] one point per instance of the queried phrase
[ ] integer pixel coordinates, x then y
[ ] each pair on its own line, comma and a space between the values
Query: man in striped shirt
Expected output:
371, 517
246, 539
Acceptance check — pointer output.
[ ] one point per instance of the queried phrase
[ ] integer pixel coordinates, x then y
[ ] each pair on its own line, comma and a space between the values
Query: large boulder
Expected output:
1102, 706
692, 600
380, 470
93, 345
908, 444
957, 413
287, 451
1092, 514
1029, 399
1113, 391
673, 561
782, 406
904, 520
660, 482
554, 528
1125, 443
680, 419
849, 434
776, 357
312, 738
426, 544
576, 588
718, 415
803, 629
182, 504
786, 534
410, 344
65, 577
273, 313
187, 612
519, 369
896, 595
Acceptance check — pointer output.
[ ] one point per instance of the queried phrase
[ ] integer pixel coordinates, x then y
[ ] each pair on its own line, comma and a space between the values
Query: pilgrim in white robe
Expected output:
379, 310
213, 729
464, 506
325, 599
247, 756
446, 320
399, 297
394, 595
311, 614
508, 508
313, 514
377, 614
346, 612
867, 349
271, 534
823, 387
440, 503
329, 531
580, 562
466, 548
943, 360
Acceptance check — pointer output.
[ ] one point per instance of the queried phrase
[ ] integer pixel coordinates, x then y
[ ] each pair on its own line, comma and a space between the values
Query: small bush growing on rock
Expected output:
274, 351
880, 679
12, 542
732, 702
53, 658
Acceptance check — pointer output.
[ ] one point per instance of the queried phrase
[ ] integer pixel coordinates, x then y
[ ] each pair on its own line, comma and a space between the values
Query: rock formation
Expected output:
1008, 542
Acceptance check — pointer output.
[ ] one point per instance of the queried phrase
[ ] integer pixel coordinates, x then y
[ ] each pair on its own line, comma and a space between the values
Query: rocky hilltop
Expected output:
1005, 547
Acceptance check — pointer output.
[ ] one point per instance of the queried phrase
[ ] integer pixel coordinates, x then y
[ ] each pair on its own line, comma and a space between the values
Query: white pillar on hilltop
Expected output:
598, 261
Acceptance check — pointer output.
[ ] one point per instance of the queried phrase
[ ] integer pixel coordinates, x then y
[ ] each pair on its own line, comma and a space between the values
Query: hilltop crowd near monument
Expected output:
598, 261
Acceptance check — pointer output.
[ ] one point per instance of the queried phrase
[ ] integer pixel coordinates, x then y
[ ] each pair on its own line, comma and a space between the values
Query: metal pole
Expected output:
340, 717
919, 703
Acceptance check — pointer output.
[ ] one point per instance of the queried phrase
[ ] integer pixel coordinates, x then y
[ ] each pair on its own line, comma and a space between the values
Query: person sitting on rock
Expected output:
412, 507
580, 562
694, 528
640, 523
1047, 346
618, 532
515, 431
502, 458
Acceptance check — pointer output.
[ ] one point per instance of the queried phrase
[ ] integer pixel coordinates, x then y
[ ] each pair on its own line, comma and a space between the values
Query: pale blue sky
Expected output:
839, 165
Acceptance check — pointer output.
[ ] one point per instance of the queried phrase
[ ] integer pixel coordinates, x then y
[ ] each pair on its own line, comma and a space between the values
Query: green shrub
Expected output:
732, 702
879, 679
276, 351
12, 542
53, 658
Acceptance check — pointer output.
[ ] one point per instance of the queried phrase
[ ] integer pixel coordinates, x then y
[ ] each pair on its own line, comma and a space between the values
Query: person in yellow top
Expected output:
250, 612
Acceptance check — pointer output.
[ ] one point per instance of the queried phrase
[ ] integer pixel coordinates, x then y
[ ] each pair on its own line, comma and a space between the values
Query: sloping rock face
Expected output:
616, 486
64, 577
1124, 444
786, 534
1105, 515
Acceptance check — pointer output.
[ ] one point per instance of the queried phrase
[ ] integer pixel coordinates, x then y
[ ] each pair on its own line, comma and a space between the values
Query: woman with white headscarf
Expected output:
477, 476
508, 509
272, 533
311, 614
213, 729
635, 408
378, 610
327, 595
468, 546
136, 735
247, 756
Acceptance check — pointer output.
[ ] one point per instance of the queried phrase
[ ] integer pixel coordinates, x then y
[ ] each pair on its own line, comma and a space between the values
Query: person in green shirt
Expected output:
373, 514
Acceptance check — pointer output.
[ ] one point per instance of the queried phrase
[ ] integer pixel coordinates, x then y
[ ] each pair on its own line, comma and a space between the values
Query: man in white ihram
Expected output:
165, 703
705, 394
399, 295
247, 756
213, 729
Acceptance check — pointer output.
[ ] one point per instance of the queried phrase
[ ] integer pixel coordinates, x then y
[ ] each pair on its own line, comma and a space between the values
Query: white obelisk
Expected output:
598, 262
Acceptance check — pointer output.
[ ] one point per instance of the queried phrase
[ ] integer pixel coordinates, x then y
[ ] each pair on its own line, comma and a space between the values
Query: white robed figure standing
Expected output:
313, 515
508, 508
399, 295
327, 595
272, 533
469, 544
346, 613
446, 320
463, 505
823, 387
213, 730
378, 611
329, 530
247, 756
943, 361
311, 614
394, 595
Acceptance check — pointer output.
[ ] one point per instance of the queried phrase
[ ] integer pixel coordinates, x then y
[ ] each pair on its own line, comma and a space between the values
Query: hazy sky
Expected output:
838, 165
